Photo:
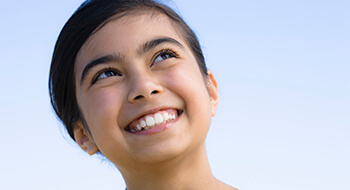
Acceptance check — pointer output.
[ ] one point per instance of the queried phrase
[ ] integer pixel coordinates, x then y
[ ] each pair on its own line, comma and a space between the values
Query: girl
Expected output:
129, 81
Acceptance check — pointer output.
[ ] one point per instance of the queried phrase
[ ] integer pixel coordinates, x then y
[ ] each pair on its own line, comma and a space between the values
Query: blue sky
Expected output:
282, 68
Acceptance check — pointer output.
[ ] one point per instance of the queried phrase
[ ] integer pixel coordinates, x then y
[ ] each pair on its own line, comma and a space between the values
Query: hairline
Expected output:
152, 12
118, 16
67, 108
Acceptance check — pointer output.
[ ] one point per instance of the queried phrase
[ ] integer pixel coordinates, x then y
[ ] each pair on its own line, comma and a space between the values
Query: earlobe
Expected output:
213, 92
83, 139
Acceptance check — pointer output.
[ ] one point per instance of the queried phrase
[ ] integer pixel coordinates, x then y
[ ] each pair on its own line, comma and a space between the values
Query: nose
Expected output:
143, 87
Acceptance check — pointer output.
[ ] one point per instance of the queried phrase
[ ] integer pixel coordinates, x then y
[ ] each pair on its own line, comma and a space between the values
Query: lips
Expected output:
153, 120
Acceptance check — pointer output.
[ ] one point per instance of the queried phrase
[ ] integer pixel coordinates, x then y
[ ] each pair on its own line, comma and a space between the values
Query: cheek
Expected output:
187, 82
101, 108
101, 112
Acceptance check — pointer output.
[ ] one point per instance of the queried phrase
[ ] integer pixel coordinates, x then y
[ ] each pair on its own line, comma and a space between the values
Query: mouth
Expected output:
153, 120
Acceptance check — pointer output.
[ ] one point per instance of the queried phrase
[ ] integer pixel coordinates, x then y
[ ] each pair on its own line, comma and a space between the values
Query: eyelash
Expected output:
104, 71
169, 52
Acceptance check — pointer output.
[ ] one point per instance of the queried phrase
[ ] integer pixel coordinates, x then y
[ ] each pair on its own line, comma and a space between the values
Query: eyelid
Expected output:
163, 51
95, 78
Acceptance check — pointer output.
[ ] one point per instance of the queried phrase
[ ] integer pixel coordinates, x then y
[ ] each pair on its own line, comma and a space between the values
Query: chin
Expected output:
171, 150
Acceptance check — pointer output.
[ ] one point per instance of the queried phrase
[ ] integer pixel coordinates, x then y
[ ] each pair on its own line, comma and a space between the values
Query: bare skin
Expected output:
138, 83
187, 173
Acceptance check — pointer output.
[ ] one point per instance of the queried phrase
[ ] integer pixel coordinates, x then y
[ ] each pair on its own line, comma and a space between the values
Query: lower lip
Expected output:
157, 129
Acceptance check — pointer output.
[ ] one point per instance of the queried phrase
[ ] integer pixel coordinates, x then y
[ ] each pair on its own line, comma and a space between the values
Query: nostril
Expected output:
141, 95
138, 97
154, 92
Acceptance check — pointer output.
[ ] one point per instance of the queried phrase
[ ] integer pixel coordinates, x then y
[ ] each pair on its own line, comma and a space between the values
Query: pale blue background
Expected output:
283, 69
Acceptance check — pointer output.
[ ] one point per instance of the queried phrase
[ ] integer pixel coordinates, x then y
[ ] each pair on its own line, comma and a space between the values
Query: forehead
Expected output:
125, 34
133, 25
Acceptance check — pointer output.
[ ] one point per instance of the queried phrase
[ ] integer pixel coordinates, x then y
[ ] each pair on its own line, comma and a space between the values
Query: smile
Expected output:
153, 120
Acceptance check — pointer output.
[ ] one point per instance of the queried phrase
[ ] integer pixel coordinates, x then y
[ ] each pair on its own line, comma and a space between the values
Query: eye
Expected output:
164, 54
105, 74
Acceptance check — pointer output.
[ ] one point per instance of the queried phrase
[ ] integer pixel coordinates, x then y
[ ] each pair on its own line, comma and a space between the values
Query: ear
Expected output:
213, 92
84, 139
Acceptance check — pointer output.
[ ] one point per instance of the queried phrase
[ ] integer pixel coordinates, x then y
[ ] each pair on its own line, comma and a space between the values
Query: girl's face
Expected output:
141, 93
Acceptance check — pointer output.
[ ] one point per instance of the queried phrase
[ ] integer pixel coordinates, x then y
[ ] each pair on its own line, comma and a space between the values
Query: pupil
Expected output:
110, 73
164, 56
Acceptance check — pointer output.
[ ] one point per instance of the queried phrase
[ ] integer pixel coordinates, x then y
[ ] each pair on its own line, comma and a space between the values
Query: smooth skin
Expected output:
135, 81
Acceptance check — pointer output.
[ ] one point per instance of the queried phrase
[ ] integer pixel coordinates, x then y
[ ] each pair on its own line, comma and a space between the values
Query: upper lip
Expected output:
149, 112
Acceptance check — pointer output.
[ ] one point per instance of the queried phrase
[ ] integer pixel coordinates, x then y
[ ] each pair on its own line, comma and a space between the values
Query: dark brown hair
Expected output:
88, 18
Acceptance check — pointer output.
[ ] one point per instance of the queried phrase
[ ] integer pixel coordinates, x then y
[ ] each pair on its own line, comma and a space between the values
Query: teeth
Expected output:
166, 116
143, 124
150, 121
158, 118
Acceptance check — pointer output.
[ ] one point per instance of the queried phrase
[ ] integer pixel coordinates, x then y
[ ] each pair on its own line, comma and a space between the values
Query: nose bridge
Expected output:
143, 86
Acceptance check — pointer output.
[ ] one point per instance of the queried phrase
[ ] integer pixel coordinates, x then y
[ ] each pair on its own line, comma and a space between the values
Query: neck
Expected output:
190, 172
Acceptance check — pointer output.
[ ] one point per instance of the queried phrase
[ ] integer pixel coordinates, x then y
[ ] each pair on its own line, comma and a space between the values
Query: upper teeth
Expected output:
156, 119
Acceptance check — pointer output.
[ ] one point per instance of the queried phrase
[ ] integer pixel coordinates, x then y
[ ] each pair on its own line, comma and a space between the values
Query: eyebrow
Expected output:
149, 45
146, 47
102, 60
